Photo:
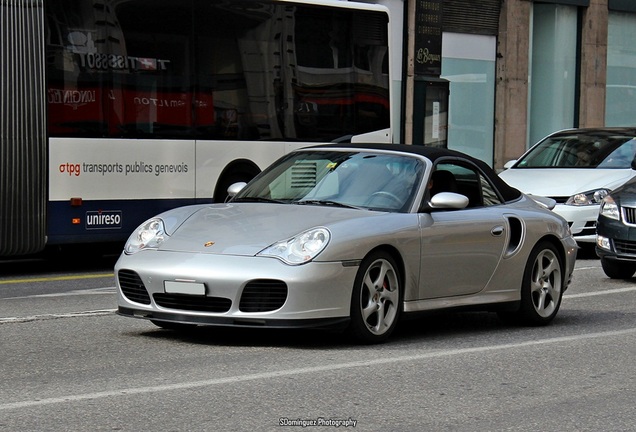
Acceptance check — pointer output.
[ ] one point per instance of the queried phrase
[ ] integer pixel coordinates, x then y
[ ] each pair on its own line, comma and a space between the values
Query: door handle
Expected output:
497, 231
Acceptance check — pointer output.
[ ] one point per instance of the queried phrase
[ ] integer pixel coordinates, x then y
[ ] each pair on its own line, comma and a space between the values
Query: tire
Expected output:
541, 288
618, 269
376, 302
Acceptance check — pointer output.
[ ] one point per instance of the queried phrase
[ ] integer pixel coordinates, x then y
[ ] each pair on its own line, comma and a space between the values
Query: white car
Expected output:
577, 168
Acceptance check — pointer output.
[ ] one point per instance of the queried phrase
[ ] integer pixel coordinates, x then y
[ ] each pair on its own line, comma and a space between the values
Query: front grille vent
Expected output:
193, 303
263, 295
625, 247
629, 215
132, 287
588, 229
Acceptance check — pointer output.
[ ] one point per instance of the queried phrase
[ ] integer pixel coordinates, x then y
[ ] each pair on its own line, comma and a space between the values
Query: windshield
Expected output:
373, 181
581, 151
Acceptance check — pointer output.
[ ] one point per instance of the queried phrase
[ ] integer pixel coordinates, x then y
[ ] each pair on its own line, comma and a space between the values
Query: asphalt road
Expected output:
70, 364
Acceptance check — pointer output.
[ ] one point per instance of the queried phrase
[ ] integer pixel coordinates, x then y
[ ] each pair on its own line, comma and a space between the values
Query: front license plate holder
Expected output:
187, 288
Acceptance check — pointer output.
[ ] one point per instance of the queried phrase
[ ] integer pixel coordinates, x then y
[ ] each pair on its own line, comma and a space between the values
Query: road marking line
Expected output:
56, 278
301, 371
56, 316
598, 293
92, 291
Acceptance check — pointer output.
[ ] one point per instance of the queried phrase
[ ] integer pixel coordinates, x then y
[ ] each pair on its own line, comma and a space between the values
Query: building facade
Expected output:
521, 69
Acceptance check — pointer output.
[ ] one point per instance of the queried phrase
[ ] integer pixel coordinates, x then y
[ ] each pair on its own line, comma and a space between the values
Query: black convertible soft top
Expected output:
433, 154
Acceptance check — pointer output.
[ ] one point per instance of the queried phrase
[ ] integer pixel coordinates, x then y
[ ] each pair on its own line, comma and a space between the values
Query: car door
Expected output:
460, 249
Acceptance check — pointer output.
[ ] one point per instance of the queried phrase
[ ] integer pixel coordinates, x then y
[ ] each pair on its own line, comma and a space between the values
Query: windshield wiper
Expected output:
258, 199
328, 203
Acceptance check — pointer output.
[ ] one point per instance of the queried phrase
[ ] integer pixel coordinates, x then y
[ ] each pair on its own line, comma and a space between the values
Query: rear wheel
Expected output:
618, 269
541, 288
376, 302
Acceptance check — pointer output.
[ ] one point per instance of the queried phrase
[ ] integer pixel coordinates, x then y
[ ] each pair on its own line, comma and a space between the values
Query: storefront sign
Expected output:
428, 37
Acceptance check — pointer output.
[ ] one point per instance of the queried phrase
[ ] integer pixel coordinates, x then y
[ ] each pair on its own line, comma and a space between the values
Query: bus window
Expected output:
130, 108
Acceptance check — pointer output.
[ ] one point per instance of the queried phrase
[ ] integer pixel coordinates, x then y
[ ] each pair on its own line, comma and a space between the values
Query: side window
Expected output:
119, 69
464, 180
227, 70
489, 196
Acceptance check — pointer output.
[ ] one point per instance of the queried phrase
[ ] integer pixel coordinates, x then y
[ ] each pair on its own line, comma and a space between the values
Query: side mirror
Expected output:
235, 188
546, 202
449, 200
510, 163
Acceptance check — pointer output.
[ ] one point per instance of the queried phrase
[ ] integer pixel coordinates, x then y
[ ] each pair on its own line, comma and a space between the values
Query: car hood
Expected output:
555, 182
247, 228
626, 195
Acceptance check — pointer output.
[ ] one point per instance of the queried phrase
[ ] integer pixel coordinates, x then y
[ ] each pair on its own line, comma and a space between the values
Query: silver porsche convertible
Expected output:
351, 236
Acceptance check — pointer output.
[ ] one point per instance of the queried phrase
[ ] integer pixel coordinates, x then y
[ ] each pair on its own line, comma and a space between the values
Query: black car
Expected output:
616, 232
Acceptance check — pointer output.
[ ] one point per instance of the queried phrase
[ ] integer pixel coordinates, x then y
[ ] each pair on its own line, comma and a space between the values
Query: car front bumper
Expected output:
621, 239
582, 221
237, 290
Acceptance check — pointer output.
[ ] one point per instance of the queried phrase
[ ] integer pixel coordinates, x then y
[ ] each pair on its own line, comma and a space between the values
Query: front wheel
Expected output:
541, 288
376, 302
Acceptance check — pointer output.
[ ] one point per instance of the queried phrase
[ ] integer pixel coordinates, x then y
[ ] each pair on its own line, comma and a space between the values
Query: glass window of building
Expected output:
469, 65
620, 99
553, 70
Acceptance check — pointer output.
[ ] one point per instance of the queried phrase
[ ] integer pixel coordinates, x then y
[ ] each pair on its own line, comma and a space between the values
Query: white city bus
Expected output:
115, 110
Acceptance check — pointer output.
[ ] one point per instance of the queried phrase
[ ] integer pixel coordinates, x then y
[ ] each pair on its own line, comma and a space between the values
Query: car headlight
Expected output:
603, 242
587, 198
148, 235
299, 249
609, 208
